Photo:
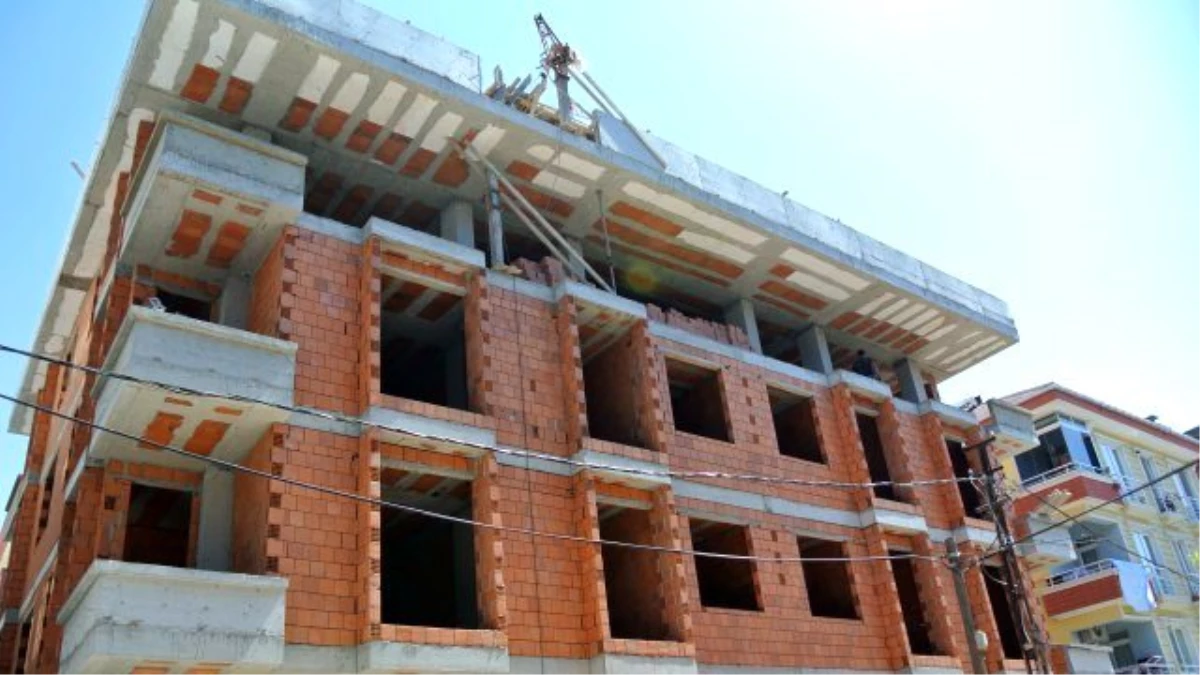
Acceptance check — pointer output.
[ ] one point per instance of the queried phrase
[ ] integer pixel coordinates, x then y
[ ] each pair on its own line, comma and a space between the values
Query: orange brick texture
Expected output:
536, 596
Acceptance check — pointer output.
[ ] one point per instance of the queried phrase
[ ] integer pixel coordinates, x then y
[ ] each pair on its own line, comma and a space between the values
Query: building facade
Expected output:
353, 413
1123, 577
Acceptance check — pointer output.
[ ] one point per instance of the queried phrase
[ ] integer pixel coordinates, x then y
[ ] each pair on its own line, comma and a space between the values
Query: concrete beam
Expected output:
814, 350
912, 385
741, 314
457, 223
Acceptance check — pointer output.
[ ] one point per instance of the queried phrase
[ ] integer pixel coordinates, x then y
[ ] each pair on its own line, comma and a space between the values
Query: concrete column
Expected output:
214, 545
495, 223
457, 223
741, 314
912, 385
234, 304
814, 350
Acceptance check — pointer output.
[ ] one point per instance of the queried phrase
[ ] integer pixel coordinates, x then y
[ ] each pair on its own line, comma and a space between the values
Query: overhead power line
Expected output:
1112, 543
350, 419
1119, 497
344, 494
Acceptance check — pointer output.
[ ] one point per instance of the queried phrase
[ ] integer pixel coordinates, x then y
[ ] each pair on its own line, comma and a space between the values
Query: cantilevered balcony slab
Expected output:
177, 351
1012, 427
1052, 547
124, 614
1070, 487
209, 200
1099, 592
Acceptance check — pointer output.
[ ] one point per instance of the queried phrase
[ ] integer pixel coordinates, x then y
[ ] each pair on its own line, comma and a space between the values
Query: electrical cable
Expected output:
1110, 542
349, 419
233, 466
1076, 517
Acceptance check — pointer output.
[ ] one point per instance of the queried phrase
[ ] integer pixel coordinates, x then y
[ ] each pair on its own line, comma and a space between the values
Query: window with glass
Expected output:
1063, 441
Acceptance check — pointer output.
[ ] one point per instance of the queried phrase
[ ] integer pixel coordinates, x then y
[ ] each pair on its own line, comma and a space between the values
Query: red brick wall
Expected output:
539, 596
251, 525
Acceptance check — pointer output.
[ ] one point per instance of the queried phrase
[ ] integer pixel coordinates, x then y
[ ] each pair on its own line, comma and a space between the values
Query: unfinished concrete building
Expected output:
323, 209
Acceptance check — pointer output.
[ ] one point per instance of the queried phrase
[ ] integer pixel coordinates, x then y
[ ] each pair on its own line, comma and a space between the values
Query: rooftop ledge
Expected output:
944, 323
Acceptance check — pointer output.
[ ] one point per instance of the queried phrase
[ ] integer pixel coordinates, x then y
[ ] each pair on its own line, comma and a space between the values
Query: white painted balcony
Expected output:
122, 614
173, 350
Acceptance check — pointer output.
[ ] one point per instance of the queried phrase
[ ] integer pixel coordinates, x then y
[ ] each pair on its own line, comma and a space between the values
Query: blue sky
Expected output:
1045, 152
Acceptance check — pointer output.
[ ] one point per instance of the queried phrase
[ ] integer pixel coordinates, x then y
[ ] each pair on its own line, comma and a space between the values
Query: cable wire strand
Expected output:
233, 466
514, 452
1076, 517
1100, 537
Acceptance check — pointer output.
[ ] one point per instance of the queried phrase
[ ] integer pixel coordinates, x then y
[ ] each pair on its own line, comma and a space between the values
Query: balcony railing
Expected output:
1081, 572
1063, 470
1152, 665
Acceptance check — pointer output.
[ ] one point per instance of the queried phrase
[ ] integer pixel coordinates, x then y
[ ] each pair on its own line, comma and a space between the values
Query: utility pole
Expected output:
1032, 646
964, 605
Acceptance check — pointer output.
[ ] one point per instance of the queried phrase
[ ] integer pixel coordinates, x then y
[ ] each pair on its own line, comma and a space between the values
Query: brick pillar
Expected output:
112, 521
896, 451
940, 603
672, 577
591, 564
840, 430
370, 287
480, 346
885, 599
370, 607
571, 364
651, 385
981, 608
489, 546
933, 437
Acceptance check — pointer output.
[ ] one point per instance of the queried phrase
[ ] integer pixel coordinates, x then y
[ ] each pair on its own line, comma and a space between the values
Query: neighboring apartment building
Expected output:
278, 218
1125, 575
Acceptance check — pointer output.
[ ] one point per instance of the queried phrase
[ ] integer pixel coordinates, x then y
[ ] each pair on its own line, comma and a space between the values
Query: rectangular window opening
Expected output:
997, 592
158, 526
697, 402
185, 305
610, 383
964, 467
795, 422
631, 576
423, 355
47, 495
427, 565
829, 583
872, 442
915, 622
724, 582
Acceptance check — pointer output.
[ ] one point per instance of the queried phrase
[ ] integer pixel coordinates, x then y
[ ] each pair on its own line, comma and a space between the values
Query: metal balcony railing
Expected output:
1062, 471
1081, 572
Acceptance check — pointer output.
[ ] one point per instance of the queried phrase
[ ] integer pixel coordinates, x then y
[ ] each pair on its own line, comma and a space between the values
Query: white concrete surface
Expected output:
123, 613
179, 351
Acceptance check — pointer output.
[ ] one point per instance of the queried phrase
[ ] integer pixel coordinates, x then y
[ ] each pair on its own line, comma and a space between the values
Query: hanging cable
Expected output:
1101, 538
514, 452
1076, 517
233, 466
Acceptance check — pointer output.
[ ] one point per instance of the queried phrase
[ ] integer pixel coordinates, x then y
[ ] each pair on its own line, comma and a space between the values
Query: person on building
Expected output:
863, 365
